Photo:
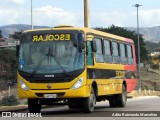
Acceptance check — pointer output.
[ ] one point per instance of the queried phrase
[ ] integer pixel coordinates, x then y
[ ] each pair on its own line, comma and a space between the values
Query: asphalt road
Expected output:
135, 107
102, 108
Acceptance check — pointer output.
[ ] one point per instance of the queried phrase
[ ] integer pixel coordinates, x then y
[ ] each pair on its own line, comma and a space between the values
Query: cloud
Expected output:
147, 18
18, 1
55, 16
45, 16
105, 19
150, 17
8, 16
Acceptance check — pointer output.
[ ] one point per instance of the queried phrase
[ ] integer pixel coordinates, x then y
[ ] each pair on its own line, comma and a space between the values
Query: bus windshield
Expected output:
51, 53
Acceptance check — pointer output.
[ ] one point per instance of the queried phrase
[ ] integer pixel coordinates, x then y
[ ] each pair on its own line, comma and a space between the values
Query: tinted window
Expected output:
115, 52
123, 53
99, 55
107, 51
115, 48
129, 54
89, 54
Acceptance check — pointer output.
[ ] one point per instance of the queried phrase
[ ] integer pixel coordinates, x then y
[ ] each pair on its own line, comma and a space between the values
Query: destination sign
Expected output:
51, 37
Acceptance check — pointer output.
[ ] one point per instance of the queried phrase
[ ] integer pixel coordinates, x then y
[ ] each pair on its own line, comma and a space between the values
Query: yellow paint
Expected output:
84, 91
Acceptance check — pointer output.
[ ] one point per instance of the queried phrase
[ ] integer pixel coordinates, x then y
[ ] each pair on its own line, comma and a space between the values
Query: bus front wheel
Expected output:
34, 106
89, 103
73, 104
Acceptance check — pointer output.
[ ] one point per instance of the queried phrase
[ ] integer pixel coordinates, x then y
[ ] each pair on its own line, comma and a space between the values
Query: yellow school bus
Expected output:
75, 66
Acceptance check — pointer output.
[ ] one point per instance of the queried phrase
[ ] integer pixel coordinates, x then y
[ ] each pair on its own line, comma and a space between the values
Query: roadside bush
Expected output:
9, 101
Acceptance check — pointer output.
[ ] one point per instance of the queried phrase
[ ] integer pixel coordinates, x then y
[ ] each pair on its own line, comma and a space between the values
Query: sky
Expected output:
103, 13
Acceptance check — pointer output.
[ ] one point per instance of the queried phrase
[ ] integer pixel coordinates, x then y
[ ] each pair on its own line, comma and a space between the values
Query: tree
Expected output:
152, 47
8, 58
16, 35
1, 34
128, 34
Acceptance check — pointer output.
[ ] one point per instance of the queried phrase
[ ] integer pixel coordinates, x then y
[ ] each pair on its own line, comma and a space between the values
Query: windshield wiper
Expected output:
39, 64
50, 54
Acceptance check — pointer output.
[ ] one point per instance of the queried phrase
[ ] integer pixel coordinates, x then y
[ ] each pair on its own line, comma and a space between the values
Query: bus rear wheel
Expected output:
112, 101
122, 98
119, 100
89, 103
34, 106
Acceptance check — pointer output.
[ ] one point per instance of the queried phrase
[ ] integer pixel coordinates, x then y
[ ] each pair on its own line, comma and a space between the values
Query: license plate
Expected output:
50, 95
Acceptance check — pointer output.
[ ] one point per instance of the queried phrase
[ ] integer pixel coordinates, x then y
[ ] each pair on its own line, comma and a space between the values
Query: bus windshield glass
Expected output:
51, 52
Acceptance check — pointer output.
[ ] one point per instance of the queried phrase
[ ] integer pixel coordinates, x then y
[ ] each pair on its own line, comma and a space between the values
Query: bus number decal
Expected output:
120, 74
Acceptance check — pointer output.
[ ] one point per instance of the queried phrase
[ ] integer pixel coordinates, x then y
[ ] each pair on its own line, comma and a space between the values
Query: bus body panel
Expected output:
57, 88
105, 86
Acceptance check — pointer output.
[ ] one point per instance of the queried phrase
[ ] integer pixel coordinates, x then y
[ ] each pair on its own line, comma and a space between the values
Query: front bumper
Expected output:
83, 91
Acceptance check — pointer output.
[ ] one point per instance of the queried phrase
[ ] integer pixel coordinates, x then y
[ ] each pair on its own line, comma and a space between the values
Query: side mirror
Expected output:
81, 46
93, 45
75, 40
17, 50
75, 43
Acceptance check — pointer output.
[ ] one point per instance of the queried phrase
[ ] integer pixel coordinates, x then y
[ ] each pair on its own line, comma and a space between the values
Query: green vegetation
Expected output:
16, 35
8, 69
152, 47
9, 56
9, 101
128, 34
1, 34
9, 62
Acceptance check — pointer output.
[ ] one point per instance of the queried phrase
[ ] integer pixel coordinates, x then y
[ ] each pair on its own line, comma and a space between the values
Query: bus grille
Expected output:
49, 80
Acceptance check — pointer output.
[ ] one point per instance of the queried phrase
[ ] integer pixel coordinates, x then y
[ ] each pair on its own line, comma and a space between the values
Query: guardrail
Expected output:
5, 46
145, 92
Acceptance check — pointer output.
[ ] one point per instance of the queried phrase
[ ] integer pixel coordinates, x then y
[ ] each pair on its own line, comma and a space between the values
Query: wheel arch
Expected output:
95, 88
125, 84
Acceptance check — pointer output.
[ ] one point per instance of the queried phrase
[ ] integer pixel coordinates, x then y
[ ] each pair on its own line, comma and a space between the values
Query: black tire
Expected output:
73, 104
122, 98
34, 106
89, 103
112, 101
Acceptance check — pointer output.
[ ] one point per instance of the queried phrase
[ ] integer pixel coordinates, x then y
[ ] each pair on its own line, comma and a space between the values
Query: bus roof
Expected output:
86, 30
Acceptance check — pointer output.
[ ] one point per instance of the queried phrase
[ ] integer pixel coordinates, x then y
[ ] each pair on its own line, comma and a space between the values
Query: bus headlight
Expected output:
23, 85
78, 84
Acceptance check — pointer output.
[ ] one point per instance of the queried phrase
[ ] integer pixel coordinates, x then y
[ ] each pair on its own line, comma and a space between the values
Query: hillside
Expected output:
151, 34
152, 47
10, 29
150, 79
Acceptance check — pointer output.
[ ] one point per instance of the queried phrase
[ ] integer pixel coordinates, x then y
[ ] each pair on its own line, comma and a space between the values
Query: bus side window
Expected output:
115, 51
107, 51
129, 54
99, 55
123, 54
89, 54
